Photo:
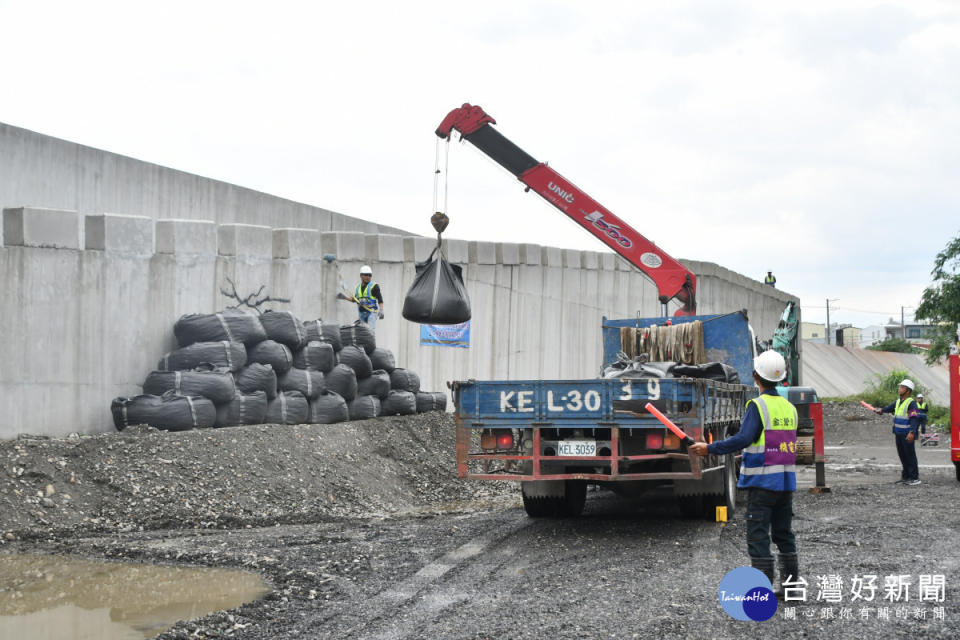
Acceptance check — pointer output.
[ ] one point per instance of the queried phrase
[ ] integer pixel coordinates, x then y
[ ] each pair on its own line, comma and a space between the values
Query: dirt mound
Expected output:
256, 475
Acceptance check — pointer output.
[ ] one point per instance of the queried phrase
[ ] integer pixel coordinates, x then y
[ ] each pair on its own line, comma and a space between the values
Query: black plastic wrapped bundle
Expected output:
357, 359
329, 332
244, 408
289, 407
343, 381
257, 377
328, 408
309, 383
404, 380
232, 355
232, 325
273, 353
170, 412
377, 384
208, 382
316, 356
284, 327
358, 334
364, 407
399, 403
383, 359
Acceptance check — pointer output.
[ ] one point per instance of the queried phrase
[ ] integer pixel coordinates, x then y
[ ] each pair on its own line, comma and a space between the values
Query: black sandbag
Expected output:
257, 377
342, 381
328, 408
428, 401
284, 327
383, 359
309, 383
289, 407
357, 359
244, 408
273, 353
232, 355
399, 403
634, 369
208, 382
316, 356
364, 407
329, 332
404, 380
232, 325
710, 370
377, 384
170, 412
358, 334
437, 295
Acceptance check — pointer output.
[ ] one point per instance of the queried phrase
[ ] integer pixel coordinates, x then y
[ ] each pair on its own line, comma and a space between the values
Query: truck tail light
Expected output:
504, 440
488, 440
654, 441
671, 441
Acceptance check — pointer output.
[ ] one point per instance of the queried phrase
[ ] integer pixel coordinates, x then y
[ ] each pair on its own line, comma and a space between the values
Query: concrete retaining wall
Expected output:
84, 325
42, 171
840, 371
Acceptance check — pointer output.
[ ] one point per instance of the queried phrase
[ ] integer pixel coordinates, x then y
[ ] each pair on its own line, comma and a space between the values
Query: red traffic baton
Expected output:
677, 431
869, 406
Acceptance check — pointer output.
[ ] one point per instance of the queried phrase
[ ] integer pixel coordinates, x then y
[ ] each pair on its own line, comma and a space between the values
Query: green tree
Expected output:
940, 303
897, 345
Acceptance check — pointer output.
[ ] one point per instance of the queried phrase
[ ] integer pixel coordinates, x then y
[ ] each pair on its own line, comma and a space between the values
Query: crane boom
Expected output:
673, 280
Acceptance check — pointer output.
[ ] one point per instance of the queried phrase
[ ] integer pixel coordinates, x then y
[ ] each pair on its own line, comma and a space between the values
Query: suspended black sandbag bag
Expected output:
383, 359
358, 334
342, 381
364, 407
309, 383
404, 380
328, 408
233, 325
437, 295
324, 332
273, 353
232, 355
289, 407
316, 356
357, 359
244, 408
399, 403
377, 384
709, 370
257, 377
284, 327
207, 381
169, 412
428, 401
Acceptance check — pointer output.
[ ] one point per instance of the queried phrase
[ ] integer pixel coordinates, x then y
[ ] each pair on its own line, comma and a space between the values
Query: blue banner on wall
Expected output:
446, 335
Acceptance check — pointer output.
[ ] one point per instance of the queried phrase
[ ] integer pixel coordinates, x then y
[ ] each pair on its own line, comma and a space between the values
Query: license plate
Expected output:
577, 448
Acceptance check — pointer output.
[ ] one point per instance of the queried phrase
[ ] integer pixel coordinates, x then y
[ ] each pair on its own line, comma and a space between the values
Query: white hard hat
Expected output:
908, 384
365, 270
771, 366
919, 395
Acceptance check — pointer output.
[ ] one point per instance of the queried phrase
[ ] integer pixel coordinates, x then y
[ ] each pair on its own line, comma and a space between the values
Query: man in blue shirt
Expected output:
906, 421
768, 437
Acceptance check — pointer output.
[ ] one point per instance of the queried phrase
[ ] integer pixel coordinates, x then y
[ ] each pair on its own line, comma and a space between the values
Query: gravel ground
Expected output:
404, 550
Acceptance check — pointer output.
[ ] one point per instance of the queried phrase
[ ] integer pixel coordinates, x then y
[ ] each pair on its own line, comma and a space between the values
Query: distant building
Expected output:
916, 332
871, 335
844, 335
813, 332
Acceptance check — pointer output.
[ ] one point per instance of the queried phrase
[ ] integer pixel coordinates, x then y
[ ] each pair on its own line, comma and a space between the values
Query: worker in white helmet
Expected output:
768, 437
906, 422
369, 299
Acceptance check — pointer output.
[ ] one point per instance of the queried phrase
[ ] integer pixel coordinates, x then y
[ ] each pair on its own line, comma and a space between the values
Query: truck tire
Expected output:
956, 466
731, 473
568, 505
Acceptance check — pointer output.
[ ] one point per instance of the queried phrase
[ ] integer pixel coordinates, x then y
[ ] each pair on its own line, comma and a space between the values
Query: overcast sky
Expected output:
820, 140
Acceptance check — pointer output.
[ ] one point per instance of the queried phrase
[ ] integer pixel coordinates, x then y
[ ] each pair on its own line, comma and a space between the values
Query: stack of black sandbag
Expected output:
236, 368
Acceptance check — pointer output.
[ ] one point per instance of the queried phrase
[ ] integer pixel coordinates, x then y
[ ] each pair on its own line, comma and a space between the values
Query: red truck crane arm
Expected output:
673, 280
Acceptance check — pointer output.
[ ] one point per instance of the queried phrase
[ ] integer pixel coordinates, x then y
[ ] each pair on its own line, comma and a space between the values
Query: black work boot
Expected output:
765, 565
789, 566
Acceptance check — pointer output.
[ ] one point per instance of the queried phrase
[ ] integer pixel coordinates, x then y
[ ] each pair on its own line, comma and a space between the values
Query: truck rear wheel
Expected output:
956, 465
561, 501
730, 477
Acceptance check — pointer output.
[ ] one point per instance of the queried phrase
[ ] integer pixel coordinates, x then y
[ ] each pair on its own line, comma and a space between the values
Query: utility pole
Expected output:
903, 326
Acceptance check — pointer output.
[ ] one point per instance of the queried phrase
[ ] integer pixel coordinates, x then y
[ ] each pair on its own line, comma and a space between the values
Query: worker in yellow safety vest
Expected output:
369, 299
906, 421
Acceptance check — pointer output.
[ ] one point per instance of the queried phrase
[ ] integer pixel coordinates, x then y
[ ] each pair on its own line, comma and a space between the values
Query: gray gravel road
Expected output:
456, 564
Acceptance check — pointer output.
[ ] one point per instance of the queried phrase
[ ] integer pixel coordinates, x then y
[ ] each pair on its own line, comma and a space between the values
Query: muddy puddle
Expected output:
44, 596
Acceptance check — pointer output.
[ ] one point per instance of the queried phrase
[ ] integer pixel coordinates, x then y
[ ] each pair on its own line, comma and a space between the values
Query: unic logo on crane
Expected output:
611, 230
566, 196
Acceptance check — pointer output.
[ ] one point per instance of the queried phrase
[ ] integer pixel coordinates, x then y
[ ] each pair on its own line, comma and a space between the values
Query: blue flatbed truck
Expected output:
555, 437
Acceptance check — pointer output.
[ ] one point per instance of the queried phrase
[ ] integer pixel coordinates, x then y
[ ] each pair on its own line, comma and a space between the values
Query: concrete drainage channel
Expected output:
364, 532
